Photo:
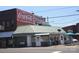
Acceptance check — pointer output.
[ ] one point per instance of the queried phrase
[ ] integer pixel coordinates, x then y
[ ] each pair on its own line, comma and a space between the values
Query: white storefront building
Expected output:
35, 32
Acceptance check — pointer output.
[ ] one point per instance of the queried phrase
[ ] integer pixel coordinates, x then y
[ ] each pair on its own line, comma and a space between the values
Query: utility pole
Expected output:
33, 17
47, 19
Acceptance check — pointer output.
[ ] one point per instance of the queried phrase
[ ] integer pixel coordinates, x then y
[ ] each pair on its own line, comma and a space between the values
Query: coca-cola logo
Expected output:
24, 17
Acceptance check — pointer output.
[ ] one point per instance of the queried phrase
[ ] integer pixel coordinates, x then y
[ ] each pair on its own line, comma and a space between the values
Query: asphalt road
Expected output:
51, 49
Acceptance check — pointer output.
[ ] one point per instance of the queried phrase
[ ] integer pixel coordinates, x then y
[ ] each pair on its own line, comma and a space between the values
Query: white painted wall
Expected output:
38, 40
29, 42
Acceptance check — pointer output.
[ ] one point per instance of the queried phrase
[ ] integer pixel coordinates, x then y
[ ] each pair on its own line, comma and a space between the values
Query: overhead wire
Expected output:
64, 16
57, 9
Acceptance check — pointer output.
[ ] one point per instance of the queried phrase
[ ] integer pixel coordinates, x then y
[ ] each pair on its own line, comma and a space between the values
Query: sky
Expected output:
52, 11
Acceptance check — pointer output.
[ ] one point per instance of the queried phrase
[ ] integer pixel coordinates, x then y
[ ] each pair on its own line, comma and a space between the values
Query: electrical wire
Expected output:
64, 16
65, 21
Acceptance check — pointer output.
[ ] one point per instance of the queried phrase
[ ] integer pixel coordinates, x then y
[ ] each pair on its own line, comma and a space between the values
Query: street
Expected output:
51, 49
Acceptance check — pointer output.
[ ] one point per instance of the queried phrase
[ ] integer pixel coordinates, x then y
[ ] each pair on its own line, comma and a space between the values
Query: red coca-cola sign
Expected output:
24, 17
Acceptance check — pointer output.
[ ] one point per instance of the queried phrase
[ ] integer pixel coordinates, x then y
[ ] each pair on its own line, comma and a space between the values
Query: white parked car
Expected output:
75, 40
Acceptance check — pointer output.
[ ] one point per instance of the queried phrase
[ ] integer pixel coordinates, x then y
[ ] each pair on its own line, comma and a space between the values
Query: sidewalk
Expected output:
64, 46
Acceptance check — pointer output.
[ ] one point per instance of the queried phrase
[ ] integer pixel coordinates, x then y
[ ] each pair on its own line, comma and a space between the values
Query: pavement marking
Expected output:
57, 52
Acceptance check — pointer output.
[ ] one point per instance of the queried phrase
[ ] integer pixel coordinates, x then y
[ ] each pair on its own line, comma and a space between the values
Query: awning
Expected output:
5, 34
70, 34
76, 33
43, 34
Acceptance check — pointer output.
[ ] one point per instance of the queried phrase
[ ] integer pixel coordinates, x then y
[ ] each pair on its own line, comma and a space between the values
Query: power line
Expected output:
64, 16
65, 21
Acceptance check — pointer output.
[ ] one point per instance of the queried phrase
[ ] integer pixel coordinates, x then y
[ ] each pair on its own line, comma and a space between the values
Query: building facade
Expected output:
36, 35
20, 28
73, 29
10, 19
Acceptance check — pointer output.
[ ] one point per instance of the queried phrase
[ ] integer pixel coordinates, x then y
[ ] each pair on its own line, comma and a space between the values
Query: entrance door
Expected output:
29, 41
62, 39
38, 41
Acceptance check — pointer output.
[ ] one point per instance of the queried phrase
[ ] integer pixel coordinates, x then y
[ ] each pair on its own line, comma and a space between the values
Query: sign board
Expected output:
25, 17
